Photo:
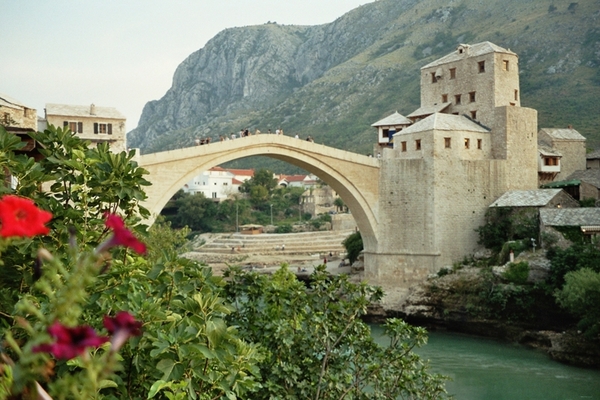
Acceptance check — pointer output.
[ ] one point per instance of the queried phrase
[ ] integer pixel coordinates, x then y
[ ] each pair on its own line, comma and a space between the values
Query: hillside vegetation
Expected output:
333, 81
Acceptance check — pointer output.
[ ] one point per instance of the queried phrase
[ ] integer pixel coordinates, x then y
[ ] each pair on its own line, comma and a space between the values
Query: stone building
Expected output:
562, 150
387, 128
93, 123
15, 114
593, 160
469, 143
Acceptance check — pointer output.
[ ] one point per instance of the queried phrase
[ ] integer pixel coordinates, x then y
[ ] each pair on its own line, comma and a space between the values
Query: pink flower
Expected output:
20, 217
121, 236
70, 342
122, 326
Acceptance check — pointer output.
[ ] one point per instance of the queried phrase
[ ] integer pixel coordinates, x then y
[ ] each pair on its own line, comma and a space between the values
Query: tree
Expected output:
354, 245
339, 204
581, 296
316, 345
195, 211
262, 177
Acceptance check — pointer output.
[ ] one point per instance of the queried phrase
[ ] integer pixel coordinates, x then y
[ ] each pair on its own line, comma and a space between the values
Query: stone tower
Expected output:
470, 141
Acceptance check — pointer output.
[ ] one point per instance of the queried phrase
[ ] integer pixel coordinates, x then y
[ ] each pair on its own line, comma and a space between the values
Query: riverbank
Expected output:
453, 303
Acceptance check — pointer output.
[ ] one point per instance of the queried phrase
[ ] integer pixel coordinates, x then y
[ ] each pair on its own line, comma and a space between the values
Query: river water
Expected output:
487, 369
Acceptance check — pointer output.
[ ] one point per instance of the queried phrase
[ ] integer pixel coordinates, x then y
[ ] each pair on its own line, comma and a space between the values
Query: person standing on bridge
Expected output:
277, 132
297, 137
257, 132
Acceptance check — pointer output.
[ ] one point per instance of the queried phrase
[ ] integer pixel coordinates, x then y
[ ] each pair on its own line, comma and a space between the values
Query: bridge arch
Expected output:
353, 176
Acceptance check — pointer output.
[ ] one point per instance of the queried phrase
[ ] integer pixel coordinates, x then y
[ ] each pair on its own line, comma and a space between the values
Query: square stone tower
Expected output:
472, 81
469, 142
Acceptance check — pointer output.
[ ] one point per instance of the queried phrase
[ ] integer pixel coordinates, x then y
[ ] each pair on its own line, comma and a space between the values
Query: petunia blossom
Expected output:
121, 236
20, 217
70, 342
122, 326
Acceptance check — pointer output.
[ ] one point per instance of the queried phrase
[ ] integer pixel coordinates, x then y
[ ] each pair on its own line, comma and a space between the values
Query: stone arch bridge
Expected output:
355, 177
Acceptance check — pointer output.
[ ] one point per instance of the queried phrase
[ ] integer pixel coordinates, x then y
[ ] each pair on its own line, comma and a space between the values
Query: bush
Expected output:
353, 245
572, 259
285, 228
316, 345
517, 272
581, 296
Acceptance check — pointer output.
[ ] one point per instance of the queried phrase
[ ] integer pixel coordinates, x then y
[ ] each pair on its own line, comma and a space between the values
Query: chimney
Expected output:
92, 109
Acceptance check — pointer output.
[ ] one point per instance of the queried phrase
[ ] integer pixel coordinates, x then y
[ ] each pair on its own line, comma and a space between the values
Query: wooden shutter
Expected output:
109, 129
80, 127
95, 127
65, 123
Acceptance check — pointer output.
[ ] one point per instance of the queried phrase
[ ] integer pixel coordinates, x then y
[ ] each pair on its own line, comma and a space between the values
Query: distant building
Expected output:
216, 184
562, 150
15, 114
242, 175
303, 181
19, 120
387, 128
93, 123
593, 160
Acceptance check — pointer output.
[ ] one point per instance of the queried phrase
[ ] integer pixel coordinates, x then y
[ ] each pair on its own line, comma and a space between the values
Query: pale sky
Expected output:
123, 53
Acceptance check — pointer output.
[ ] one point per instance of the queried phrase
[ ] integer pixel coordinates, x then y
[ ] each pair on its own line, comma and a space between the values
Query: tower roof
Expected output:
394, 119
466, 50
444, 122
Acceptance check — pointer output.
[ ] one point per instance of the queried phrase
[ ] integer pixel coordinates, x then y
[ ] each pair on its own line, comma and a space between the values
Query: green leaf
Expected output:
166, 367
156, 387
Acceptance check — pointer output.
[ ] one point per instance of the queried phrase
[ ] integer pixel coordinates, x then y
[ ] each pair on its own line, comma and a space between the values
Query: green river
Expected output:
482, 368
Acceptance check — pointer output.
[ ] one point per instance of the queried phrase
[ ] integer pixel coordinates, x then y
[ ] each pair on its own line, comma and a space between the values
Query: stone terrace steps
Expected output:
295, 243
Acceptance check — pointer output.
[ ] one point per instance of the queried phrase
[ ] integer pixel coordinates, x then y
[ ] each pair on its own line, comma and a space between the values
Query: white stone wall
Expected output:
117, 139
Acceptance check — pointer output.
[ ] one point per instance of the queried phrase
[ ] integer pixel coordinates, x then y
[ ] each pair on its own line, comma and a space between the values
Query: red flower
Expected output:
122, 327
19, 216
121, 236
70, 342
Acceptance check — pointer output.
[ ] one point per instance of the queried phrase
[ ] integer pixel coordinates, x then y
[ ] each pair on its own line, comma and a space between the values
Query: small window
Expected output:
102, 128
457, 99
403, 146
418, 144
478, 144
225, 183
452, 73
473, 114
75, 127
444, 98
214, 195
447, 142
215, 183
481, 66
516, 95
433, 78
505, 65
472, 97
467, 143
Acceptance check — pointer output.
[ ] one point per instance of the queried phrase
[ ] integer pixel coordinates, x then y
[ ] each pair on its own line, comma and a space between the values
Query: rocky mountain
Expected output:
333, 81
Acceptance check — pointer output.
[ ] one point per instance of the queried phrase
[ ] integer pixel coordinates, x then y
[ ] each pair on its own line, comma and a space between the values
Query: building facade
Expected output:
93, 123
